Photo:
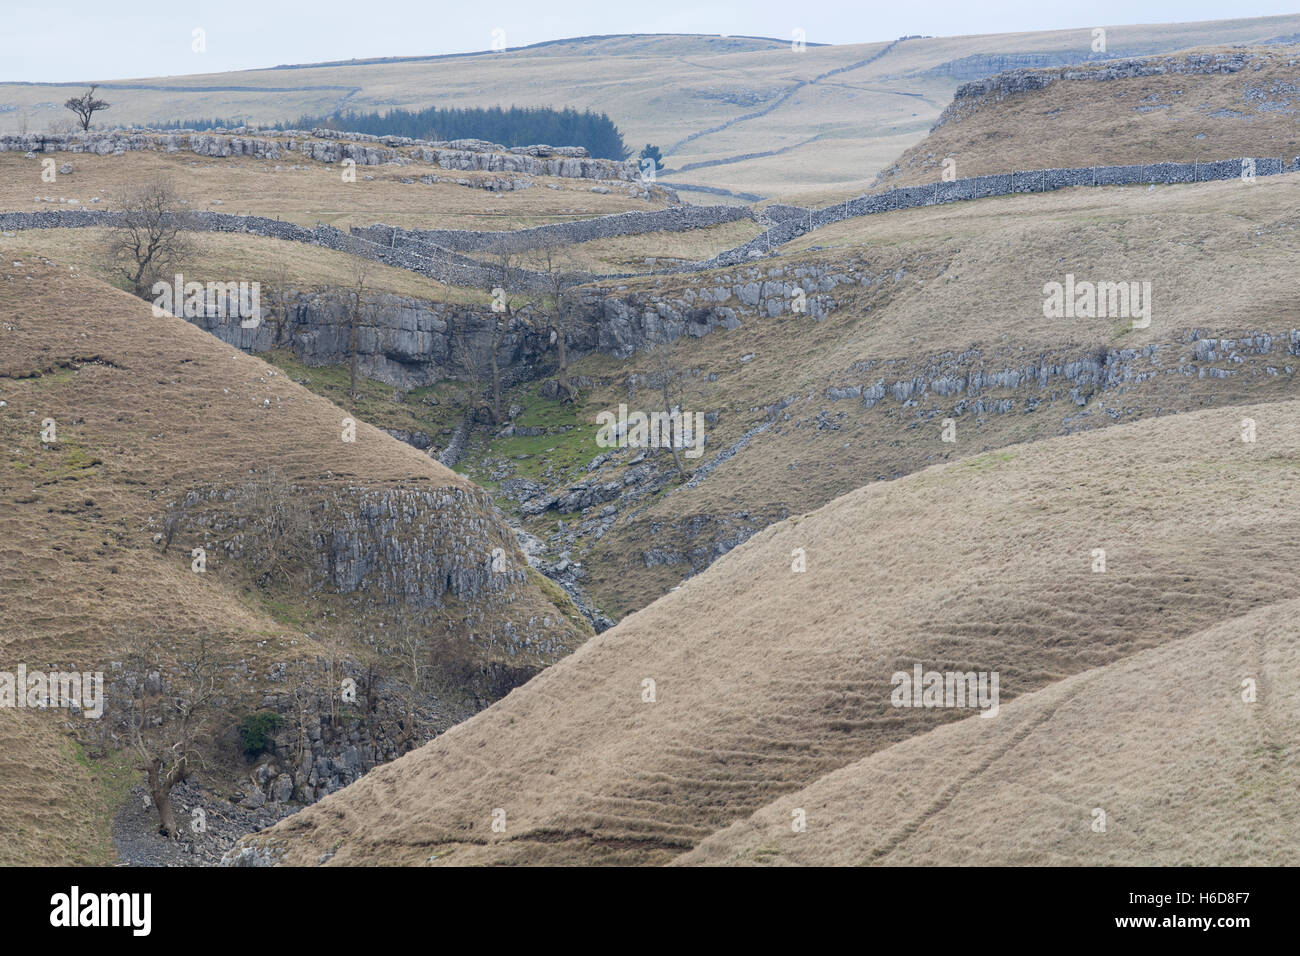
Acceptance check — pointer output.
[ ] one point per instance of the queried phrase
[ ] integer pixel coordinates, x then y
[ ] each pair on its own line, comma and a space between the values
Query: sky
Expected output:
78, 40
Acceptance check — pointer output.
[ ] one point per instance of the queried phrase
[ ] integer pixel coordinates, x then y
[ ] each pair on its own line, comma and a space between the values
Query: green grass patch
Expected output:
988, 460
284, 611
113, 775
560, 598
429, 409
563, 450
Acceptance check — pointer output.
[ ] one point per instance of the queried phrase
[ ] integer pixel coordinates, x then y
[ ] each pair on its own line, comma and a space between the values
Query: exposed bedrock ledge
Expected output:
326, 146
972, 381
1027, 78
405, 549
632, 322
401, 341
704, 538
410, 343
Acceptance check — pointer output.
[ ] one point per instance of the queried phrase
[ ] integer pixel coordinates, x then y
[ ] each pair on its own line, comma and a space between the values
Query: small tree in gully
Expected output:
506, 262
358, 312
168, 713
666, 376
558, 308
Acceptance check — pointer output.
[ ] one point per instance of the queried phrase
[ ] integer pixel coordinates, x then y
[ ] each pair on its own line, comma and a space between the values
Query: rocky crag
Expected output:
390, 561
1026, 77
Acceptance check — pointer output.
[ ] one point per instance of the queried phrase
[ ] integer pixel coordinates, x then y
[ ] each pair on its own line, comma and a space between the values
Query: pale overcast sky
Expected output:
75, 40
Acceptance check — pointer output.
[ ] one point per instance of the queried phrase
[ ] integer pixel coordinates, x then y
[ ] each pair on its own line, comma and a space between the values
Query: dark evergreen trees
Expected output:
516, 126
652, 152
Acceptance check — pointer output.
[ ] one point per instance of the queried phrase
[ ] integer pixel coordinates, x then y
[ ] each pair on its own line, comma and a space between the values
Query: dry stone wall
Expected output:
676, 219
981, 187
443, 265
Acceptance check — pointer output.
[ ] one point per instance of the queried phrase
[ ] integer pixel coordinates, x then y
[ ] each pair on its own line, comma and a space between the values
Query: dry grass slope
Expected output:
1143, 119
227, 256
767, 680
1187, 772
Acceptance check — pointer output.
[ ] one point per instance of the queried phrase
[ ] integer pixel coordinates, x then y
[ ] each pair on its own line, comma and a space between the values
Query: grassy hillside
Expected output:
766, 679
270, 262
1080, 121
156, 420
1186, 771
826, 117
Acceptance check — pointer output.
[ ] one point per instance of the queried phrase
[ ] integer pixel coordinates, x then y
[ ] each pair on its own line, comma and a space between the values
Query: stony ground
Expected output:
204, 838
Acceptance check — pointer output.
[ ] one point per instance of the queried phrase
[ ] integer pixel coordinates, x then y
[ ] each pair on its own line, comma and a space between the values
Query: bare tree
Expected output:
280, 529
85, 107
505, 259
666, 376
305, 702
414, 665
281, 295
152, 236
558, 308
168, 715
358, 310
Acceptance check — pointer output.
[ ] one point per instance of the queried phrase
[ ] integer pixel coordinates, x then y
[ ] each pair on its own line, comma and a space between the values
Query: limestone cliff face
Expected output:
392, 551
401, 341
435, 548
980, 65
410, 343
984, 383
625, 322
